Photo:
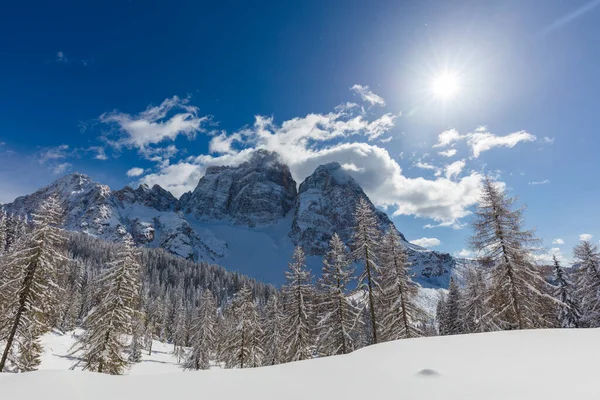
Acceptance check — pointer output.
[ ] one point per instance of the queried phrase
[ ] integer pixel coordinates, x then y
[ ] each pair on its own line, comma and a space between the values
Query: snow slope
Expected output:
542, 364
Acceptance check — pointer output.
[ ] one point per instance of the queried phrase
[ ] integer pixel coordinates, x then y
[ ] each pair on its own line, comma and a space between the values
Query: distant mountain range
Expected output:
246, 218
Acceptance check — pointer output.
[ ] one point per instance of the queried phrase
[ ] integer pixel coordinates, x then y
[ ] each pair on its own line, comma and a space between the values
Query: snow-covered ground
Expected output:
543, 364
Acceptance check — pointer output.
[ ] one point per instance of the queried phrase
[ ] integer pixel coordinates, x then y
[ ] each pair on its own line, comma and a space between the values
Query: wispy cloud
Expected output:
585, 237
61, 168
367, 95
481, 140
62, 58
549, 140
544, 182
448, 153
558, 241
570, 17
157, 124
135, 172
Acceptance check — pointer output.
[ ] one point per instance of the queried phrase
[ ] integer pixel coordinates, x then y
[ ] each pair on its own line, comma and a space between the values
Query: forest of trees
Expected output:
125, 297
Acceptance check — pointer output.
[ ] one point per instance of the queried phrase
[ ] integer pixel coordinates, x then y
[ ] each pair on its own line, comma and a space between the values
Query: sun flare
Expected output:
445, 86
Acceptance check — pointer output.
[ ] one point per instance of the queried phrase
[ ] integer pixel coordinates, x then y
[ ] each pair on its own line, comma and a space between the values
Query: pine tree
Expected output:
298, 293
400, 314
440, 314
243, 347
273, 332
451, 318
568, 311
3, 221
517, 292
28, 282
474, 310
104, 341
203, 341
366, 239
337, 315
587, 258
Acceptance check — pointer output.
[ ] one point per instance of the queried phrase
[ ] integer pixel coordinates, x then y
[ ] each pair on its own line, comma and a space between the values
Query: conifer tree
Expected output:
337, 315
473, 307
298, 309
28, 282
400, 314
452, 319
518, 297
243, 347
203, 341
273, 332
587, 257
366, 238
104, 341
3, 221
568, 311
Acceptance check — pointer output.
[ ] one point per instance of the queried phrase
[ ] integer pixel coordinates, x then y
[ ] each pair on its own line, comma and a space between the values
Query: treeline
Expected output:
125, 297
507, 289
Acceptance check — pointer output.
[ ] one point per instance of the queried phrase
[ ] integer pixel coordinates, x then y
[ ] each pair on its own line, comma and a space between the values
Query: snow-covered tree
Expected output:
243, 345
203, 341
587, 275
29, 292
450, 322
473, 307
298, 293
400, 315
104, 341
568, 311
366, 239
337, 315
518, 297
3, 221
273, 332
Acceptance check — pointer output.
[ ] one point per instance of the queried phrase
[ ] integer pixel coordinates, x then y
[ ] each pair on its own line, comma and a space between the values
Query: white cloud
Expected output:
135, 172
548, 140
60, 57
544, 182
306, 142
156, 124
448, 153
222, 143
447, 137
426, 242
585, 237
386, 140
481, 140
558, 241
100, 153
425, 165
177, 178
53, 153
367, 95
61, 168
464, 253
454, 169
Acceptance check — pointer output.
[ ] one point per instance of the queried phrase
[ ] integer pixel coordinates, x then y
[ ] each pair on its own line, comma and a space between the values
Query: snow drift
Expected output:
542, 364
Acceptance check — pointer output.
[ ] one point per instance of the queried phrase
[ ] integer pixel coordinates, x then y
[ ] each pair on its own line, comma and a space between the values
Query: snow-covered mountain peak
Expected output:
257, 192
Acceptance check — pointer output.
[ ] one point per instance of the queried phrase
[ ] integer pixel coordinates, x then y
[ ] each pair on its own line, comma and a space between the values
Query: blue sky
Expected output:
160, 90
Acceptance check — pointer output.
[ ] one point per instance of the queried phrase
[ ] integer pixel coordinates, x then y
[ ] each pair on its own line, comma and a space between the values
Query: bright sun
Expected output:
445, 86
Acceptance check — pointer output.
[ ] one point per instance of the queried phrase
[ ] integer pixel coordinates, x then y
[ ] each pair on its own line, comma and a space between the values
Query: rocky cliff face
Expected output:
247, 217
258, 192
325, 204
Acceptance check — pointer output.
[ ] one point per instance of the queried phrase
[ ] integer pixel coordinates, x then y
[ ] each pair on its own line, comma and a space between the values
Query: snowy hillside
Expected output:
541, 364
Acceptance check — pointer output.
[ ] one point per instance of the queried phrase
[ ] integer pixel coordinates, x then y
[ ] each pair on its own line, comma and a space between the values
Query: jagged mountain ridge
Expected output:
248, 217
